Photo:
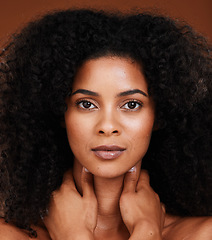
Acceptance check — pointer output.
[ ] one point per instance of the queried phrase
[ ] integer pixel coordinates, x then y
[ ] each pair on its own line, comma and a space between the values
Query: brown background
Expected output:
15, 13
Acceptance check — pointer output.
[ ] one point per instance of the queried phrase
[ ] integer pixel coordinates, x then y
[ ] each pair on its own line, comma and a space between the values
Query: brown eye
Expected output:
132, 105
86, 104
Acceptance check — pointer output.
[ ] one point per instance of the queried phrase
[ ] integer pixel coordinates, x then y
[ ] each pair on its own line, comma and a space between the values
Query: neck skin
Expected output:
108, 192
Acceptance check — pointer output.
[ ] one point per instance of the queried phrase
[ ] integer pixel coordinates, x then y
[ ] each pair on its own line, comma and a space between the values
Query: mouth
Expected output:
108, 152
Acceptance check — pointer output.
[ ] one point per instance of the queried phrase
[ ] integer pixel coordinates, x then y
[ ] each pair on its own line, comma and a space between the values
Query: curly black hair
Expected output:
36, 74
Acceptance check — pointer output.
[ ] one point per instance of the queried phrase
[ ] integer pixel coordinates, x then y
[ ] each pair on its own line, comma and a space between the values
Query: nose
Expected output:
108, 125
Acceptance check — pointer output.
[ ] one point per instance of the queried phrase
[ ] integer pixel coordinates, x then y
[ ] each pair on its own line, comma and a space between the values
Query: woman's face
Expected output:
110, 116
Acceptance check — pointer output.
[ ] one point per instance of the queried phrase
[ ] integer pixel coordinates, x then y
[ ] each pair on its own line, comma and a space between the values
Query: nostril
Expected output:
115, 131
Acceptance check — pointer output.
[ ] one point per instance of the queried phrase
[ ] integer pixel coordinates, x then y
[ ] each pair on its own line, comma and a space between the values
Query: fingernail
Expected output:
85, 169
132, 169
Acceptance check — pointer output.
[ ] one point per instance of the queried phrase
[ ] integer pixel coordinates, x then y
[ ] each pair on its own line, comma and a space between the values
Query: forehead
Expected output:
114, 72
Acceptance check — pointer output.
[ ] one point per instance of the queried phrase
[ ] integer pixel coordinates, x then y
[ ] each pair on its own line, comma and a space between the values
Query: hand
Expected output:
70, 215
140, 206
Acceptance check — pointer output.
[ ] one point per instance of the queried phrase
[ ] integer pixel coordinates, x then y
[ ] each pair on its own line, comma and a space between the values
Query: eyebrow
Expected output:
125, 93
130, 92
86, 92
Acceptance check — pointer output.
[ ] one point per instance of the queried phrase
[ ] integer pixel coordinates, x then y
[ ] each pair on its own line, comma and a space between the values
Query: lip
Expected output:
108, 152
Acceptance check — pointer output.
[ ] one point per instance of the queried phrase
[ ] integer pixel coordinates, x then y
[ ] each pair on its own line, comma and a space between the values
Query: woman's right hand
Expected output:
70, 215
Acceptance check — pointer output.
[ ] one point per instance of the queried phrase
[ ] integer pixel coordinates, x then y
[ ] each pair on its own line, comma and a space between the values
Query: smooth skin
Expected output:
109, 105
109, 202
59, 219
144, 220
147, 219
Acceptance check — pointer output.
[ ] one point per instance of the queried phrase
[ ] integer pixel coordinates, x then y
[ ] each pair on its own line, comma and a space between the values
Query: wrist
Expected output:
146, 231
143, 236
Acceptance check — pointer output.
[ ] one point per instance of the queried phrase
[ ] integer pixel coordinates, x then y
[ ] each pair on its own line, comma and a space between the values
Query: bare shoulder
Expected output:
190, 228
11, 232
203, 229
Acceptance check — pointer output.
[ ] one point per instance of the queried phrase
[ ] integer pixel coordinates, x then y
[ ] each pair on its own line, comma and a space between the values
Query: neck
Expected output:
108, 192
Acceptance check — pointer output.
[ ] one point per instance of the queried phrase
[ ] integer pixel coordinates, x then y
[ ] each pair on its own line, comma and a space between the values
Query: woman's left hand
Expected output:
141, 209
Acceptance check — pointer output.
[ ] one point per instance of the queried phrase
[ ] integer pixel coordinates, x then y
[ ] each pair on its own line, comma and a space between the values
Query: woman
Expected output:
86, 91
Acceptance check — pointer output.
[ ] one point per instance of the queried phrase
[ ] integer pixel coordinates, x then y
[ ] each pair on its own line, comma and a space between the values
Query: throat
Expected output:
109, 222
108, 192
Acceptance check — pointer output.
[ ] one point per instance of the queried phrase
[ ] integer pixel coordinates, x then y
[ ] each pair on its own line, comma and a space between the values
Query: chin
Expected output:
108, 173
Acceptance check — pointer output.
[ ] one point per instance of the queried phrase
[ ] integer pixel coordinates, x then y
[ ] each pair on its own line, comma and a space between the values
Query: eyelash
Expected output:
138, 103
85, 101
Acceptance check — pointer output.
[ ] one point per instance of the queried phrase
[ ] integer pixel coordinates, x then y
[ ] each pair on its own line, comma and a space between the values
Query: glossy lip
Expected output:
108, 152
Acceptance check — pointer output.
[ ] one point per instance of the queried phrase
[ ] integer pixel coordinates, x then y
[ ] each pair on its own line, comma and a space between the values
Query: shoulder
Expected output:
203, 229
190, 228
11, 232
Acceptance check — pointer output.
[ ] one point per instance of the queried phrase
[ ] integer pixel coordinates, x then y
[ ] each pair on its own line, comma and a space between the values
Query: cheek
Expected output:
141, 135
78, 131
140, 132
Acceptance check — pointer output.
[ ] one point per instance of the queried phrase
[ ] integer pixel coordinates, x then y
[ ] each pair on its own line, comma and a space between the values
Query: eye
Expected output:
132, 105
85, 104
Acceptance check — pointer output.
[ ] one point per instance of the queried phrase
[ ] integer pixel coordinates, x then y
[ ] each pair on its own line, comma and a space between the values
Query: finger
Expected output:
163, 207
87, 183
163, 215
157, 197
143, 179
130, 180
